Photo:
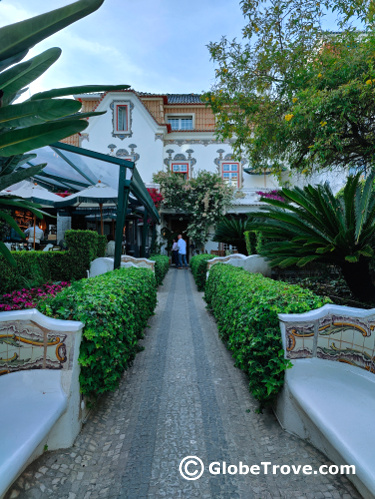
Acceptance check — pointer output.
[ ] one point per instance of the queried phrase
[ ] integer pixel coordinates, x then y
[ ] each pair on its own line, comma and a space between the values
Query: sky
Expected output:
157, 46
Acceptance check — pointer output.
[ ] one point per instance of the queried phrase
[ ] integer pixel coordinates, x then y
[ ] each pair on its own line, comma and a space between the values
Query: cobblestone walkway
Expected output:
182, 397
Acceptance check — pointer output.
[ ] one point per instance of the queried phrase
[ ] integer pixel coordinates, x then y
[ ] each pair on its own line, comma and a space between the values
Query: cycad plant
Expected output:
43, 118
314, 225
231, 230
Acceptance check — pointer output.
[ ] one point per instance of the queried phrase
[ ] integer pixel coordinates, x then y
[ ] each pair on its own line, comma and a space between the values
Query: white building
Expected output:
174, 132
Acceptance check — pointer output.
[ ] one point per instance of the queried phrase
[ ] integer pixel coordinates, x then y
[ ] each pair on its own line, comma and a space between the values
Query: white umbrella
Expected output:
33, 192
95, 194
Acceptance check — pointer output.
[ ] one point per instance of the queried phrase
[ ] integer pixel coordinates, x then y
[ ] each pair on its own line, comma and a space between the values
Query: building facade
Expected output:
171, 132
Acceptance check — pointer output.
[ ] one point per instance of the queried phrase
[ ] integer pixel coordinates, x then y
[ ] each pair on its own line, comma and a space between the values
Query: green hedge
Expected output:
161, 267
83, 248
33, 269
245, 306
198, 265
102, 244
115, 308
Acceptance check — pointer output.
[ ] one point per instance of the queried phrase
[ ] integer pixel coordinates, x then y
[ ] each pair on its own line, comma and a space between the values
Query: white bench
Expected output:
105, 264
143, 263
39, 387
329, 394
252, 263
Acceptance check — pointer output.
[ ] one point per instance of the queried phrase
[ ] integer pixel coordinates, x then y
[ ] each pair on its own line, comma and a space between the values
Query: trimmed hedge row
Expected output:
115, 308
198, 265
102, 245
83, 249
34, 268
245, 307
161, 267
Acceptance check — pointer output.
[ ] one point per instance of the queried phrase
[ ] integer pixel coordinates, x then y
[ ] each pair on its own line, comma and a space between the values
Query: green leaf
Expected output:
22, 174
362, 204
21, 36
83, 89
36, 112
306, 259
15, 202
17, 77
7, 254
85, 115
10, 220
326, 249
352, 258
26, 139
12, 60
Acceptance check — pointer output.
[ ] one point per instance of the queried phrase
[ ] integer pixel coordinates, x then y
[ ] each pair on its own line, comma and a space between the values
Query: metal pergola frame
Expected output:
130, 181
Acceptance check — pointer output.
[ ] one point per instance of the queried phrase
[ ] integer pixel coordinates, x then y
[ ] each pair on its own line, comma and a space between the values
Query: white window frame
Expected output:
180, 163
115, 106
181, 116
228, 177
117, 109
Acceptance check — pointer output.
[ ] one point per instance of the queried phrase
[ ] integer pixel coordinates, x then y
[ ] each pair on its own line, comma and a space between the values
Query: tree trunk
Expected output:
357, 277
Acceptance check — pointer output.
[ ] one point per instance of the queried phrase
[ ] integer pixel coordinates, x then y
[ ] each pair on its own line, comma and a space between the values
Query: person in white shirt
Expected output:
181, 252
39, 235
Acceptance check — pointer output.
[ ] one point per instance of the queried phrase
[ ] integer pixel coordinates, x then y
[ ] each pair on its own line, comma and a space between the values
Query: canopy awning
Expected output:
76, 168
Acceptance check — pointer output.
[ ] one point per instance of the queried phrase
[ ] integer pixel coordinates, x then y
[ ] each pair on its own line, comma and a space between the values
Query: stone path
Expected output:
182, 397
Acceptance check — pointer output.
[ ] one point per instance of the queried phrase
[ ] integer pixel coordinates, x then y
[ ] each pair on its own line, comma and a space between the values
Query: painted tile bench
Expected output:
105, 264
329, 393
39, 388
252, 263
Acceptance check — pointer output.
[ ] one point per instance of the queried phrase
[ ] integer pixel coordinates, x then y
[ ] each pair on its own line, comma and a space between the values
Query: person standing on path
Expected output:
181, 252
175, 252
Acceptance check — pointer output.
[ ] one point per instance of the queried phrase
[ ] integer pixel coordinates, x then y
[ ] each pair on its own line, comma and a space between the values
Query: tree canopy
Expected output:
295, 94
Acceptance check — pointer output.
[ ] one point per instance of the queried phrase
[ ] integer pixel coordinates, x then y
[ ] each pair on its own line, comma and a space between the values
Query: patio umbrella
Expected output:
34, 193
98, 194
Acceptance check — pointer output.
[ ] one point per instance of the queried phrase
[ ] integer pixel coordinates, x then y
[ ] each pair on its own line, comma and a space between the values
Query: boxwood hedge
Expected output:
115, 308
161, 267
198, 265
34, 268
245, 306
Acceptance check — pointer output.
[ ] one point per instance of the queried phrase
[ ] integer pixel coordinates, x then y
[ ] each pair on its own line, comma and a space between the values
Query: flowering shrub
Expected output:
271, 195
204, 198
156, 197
28, 298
